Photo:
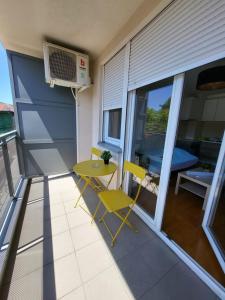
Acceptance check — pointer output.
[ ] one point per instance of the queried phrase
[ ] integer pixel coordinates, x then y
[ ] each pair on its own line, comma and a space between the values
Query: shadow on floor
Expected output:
59, 254
151, 270
31, 233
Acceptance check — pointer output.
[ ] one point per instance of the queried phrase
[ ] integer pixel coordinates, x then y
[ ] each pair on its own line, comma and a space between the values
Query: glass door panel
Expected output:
149, 132
196, 149
214, 220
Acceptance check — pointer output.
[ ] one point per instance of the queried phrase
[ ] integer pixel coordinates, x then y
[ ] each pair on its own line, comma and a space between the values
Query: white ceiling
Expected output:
84, 24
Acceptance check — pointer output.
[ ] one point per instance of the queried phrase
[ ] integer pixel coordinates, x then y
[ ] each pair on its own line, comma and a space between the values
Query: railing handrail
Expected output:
11, 134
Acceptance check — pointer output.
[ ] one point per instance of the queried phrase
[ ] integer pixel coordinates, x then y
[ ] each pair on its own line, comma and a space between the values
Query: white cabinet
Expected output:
185, 109
220, 111
194, 108
214, 108
209, 110
191, 108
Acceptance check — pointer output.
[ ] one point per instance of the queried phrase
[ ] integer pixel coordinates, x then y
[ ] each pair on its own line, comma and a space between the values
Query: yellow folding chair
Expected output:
116, 200
95, 151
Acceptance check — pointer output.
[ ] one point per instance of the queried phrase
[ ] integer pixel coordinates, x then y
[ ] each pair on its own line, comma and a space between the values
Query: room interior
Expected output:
198, 140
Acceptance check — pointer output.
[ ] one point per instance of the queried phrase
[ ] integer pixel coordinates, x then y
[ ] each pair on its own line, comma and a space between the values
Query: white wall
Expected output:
84, 123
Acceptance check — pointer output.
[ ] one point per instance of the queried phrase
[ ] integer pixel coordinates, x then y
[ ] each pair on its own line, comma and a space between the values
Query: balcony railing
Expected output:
12, 189
10, 174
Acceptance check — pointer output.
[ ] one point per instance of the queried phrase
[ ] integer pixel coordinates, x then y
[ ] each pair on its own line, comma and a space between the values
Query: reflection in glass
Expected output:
198, 141
150, 124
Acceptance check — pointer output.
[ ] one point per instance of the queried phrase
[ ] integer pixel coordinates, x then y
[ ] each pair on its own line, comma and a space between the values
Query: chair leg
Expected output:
124, 221
117, 233
120, 227
131, 226
96, 210
103, 216
81, 193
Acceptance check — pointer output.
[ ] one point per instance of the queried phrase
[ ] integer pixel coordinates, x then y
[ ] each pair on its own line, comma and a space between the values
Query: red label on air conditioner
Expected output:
83, 63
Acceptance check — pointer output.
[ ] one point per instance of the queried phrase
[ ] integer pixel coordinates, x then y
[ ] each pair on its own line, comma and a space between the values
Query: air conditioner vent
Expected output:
65, 67
62, 66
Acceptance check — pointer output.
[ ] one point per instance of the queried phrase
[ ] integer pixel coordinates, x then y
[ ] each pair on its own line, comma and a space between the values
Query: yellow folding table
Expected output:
90, 171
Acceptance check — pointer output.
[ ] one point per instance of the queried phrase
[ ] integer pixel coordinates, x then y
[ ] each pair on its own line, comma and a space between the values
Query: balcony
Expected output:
50, 250
57, 253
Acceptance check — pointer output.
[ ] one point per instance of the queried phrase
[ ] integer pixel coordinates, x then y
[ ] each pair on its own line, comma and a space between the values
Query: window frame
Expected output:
103, 125
105, 136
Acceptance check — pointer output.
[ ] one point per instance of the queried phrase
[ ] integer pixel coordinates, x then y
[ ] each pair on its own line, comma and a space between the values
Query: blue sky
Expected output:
5, 89
159, 96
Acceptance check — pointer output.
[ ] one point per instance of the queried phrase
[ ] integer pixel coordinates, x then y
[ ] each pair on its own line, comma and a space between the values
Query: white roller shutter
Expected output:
113, 84
187, 34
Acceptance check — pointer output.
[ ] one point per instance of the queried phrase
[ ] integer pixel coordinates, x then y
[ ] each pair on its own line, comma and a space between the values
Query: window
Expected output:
114, 96
112, 125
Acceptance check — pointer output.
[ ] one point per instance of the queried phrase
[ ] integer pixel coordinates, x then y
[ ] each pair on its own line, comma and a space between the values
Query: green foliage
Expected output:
106, 155
156, 121
6, 122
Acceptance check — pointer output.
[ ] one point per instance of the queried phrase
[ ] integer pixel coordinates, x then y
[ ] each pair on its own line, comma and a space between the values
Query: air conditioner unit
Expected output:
65, 67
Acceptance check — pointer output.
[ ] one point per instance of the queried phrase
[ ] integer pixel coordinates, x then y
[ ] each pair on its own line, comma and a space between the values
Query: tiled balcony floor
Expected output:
59, 254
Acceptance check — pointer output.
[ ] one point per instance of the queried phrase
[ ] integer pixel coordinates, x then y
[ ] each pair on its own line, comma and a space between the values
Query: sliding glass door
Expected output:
196, 162
152, 106
214, 219
175, 131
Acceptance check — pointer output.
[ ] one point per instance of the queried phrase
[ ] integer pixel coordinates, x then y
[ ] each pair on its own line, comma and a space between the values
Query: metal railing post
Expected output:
7, 167
19, 153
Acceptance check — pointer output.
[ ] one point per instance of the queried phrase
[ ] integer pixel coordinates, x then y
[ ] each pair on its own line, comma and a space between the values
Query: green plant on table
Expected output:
106, 155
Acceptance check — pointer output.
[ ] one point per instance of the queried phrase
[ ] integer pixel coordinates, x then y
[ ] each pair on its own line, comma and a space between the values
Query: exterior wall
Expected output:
147, 11
143, 15
97, 124
123, 38
45, 118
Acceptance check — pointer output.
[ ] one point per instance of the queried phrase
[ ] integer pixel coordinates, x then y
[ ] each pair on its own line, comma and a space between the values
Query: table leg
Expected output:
206, 198
177, 184
96, 187
110, 180
100, 187
82, 191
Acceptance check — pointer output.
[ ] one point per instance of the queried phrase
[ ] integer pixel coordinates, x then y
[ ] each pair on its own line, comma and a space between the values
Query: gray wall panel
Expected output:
33, 120
46, 118
54, 158
29, 81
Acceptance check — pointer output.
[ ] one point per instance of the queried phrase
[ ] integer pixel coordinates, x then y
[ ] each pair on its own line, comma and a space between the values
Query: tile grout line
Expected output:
157, 282
82, 283
39, 268
92, 278
74, 251
54, 260
81, 286
44, 265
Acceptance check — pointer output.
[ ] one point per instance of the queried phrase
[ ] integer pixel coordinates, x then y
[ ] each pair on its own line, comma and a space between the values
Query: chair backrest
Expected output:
137, 171
134, 169
95, 151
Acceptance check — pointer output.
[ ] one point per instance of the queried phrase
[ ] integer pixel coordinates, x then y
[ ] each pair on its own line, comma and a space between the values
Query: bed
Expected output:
181, 160
152, 152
